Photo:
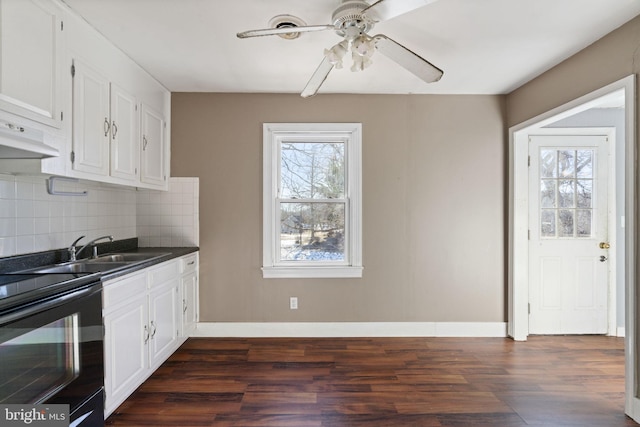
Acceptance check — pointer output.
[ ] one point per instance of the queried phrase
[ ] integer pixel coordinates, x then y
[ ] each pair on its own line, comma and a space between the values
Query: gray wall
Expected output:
433, 200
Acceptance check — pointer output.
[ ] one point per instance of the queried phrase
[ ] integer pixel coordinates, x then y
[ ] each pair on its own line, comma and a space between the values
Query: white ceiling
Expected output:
483, 46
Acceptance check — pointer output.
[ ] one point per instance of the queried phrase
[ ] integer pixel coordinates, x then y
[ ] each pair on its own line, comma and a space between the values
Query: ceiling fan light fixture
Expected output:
337, 53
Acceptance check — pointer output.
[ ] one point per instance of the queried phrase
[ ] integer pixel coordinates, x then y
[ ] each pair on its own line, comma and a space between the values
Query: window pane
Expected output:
312, 170
548, 223
583, 218
565, 226
584, 167
584, 194
566, 194
566, 163
312, 231
547, 163
548, 193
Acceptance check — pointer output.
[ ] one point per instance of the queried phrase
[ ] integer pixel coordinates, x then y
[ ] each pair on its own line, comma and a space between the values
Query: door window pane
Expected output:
583, 218
548, 193
548, 223
584, 193
566, 194
566, 163
565, 219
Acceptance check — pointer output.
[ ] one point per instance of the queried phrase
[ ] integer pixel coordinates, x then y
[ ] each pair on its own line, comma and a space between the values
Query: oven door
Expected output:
51, 351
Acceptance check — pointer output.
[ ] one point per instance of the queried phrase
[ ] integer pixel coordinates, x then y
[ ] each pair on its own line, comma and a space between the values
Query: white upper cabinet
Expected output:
63, 78
105, 126
154, 150
125, 134
30, 60
91, 122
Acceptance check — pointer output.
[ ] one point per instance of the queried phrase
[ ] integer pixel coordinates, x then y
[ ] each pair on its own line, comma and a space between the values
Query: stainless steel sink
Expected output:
103, 263
82, 267
126, 257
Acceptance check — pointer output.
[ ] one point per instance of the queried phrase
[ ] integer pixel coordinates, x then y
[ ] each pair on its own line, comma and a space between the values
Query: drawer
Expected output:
188, 263
163, 272
123, 289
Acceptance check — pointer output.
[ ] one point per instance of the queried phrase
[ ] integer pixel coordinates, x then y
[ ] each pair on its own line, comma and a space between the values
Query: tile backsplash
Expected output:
170, 218
31, 220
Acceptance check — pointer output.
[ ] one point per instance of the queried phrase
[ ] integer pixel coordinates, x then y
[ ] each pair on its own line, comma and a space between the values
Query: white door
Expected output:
568, 218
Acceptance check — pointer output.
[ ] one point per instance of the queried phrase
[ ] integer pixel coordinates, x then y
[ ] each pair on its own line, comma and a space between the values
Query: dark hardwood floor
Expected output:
546, 381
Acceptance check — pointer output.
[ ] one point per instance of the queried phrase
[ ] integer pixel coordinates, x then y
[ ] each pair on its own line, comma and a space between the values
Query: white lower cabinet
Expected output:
143, 315
189, 293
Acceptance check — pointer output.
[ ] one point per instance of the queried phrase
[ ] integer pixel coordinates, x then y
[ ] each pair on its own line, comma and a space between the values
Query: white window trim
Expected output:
352, 267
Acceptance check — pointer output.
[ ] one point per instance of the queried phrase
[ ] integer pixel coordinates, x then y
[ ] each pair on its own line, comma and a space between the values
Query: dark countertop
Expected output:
58, 256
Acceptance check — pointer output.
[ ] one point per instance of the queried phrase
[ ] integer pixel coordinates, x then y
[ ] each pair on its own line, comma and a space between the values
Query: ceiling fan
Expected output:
352, 20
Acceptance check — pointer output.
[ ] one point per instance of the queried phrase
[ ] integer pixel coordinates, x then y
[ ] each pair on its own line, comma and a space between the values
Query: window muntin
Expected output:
312, 200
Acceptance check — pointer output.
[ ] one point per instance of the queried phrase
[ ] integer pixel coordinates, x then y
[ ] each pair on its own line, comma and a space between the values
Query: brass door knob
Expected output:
604, 245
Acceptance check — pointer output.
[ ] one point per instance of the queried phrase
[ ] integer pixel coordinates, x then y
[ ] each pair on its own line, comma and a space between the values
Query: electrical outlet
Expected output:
293, 303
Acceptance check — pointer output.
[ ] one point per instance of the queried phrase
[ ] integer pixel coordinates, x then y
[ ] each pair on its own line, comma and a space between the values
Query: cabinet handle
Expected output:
114, 128
153, 334
146, 334
184, 306
191, 263
144, 142
107, 126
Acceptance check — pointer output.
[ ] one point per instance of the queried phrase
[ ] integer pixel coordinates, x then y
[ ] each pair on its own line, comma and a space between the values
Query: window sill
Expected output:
331, 272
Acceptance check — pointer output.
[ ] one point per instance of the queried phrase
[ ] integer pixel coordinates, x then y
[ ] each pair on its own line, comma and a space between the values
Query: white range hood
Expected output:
17, 142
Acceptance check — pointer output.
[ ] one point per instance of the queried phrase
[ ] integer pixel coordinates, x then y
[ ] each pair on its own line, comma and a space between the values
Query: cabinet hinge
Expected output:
529, 307
61, 25
61, 115
528, 234
529, 161
73, 156
73, 70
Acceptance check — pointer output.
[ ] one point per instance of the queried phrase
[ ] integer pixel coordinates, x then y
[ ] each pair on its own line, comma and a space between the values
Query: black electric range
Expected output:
51, 343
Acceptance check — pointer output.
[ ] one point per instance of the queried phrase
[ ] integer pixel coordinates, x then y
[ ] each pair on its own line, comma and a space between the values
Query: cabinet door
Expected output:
30, 66
153, 148
189, 303
91, 122
124, 134
163, 324
126, 356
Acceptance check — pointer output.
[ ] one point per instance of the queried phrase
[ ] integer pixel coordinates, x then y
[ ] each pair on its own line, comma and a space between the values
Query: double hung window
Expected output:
312, 200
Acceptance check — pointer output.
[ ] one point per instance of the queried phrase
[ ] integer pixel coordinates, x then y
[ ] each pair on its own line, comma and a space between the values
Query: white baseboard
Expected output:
350, 329
620, 331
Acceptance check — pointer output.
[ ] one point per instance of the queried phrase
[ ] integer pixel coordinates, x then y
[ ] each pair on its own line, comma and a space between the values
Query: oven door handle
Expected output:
46, 305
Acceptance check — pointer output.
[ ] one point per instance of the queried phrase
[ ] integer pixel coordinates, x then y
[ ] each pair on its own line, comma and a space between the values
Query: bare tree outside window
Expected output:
312, 201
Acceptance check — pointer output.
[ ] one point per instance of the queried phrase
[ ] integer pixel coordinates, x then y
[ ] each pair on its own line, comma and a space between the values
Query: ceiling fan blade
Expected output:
383, 10
283, 30
318, 77
408, 59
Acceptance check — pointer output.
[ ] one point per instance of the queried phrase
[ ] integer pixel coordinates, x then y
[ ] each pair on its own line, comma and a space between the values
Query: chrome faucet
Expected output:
73, 253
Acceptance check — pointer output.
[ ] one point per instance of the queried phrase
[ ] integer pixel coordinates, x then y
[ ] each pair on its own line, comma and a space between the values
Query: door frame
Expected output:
517, 266
610, 134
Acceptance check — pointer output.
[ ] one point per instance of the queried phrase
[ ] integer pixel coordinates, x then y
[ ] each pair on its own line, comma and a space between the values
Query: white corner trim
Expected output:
349, 329
620, 331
